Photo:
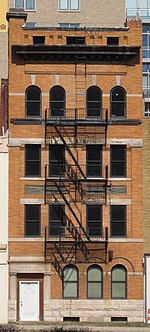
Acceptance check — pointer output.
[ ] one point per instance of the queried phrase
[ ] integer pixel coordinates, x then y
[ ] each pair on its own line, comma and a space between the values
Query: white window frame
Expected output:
68, 6
24, 6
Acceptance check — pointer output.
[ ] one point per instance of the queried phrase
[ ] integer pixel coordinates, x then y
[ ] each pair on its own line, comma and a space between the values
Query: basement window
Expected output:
112, 40
71, 319
38, 39
119, 319
75, 40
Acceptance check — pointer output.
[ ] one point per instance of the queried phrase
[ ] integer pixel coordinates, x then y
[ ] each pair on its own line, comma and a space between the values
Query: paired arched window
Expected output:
94, 282
119, 282
57, 101
94, 101
70, 282
118, 102
33, 101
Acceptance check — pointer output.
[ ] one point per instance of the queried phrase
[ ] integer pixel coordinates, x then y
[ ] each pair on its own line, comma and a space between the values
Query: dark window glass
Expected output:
94, 101
94, 282
57, 101
118, 220
32, 160
75, 40
118, 160
94, 160
33, 101
38, 39
94, 220
119, 282
70, 282
32, 220
57, 160
118, 102
112, 40
56, 220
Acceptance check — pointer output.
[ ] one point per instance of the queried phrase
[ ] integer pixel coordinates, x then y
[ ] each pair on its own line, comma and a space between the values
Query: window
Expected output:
57, 101
25, 4
94, 101
118, 102
32, 220
119, 282
75, 40
94, 160
69, 25
68, 4
32, 160
70, 282
118, 220
33, 101
56, 160
146, 81
112, 40
118, 161
94, 220
94, 282
147, 109
56, 220
38, 39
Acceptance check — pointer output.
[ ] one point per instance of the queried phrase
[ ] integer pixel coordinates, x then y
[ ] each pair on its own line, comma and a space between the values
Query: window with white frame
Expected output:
69, 25
68, 5
25, 4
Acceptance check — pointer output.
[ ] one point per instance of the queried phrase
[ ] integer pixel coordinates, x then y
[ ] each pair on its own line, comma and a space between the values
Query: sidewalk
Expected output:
45, 326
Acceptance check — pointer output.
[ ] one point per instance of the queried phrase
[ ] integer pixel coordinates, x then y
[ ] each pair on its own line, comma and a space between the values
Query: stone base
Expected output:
93, 310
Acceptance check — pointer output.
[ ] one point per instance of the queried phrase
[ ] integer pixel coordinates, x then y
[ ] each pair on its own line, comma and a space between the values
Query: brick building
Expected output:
75, 172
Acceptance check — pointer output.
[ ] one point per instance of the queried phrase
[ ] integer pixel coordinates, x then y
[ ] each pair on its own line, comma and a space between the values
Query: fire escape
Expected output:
68, 181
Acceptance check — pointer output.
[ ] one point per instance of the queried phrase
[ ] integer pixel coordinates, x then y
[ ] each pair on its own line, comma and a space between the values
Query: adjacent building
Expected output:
4, 228
76, 175
141, 8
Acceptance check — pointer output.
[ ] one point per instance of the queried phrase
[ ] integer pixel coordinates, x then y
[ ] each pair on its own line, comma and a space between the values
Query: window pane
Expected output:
70, 290
74, 4
57, 101
32, 160
118, 160
19, 4
94, 274
94, 290
32, 220
70, 274
118, 274
63, 4
118, 290
30, 4
33, 101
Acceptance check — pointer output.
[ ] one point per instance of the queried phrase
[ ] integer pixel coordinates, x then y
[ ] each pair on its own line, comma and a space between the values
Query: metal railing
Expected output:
80, 114
72, 172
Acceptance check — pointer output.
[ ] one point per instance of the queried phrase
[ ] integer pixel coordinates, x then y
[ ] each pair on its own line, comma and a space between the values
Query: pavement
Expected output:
46, 327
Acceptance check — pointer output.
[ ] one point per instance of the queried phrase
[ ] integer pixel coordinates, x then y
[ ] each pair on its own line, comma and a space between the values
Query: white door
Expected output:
29, 300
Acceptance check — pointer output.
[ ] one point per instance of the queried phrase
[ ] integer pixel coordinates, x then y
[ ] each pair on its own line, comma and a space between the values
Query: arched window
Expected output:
94, 101
33, 101
57, 101
70, 282
94, 282
119, 282
118, 102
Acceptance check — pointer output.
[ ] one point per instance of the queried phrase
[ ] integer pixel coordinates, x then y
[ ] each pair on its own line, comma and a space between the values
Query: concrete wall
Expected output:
91, 13
3, 229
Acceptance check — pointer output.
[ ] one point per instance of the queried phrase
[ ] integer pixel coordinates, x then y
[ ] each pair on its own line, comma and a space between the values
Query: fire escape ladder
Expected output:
58, 267
70, 152
77, 236
72, 211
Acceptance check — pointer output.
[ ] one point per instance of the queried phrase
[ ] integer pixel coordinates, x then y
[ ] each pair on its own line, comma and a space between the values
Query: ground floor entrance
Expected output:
29, 303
